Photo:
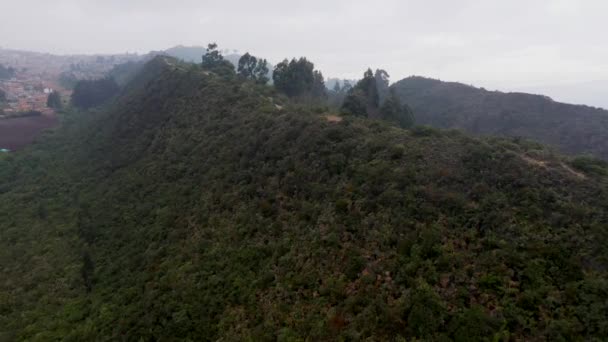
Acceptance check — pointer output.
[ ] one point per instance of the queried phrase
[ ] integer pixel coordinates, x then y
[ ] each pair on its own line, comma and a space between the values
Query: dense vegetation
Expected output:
54, 100
299, 80
91, 93
193, 208
254, 69
571, 128
371, 98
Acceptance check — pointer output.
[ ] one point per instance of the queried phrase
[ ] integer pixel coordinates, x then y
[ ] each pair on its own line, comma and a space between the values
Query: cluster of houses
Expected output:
25, 95
39, 74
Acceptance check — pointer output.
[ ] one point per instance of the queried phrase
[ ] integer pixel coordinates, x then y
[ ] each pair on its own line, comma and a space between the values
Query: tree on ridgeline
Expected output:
54, 100
252, 68
363, 99
382, 83
372, 98
337, 88
299, 79
247, 65
394, 111
214, 61
91, 93
260, 73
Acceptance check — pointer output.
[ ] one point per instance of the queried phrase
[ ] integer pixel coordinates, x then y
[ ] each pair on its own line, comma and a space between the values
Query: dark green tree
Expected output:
247, 66
392, 110
215, 62
298, 79
2, 96
260, 73
212, 57
318, 86
363, 100
346, 86
254, 69
382, 83
54, 100
337, 89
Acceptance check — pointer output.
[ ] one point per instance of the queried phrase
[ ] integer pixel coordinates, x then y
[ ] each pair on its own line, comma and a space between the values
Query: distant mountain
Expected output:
196, 207
574, 129
594, 93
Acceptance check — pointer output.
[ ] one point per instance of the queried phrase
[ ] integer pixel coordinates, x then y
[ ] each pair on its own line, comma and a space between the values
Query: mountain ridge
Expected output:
192, 207
573, 129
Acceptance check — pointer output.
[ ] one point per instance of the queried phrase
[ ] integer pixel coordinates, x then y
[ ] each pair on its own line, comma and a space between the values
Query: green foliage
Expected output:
573, 129
591, 165
215, 62
191, 208
363, 99
382, 84
299, 79
393, 111
427, 312
54, 100
92, 93
251, 68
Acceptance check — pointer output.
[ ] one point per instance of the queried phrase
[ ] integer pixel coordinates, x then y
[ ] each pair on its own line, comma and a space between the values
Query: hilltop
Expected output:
573, 129
199, 207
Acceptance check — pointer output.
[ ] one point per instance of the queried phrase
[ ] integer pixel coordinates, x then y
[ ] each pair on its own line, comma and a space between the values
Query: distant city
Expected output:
36, 75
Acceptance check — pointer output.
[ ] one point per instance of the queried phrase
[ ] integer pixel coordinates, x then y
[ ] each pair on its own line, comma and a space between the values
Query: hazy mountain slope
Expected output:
193, 208
571, 128
194, 54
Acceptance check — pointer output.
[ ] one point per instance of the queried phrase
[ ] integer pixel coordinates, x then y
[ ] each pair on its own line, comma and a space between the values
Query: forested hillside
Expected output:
204, 207
573, 129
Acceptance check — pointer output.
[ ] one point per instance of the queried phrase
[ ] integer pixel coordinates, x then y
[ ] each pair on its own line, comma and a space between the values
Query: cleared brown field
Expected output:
19, 132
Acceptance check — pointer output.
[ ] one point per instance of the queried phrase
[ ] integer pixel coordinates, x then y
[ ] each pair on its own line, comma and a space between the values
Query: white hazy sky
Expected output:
509, 45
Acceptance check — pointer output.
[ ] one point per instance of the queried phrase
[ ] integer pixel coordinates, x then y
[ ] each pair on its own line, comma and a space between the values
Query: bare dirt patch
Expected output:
573, 172
18, 132
543, 164
333, 118
534, 162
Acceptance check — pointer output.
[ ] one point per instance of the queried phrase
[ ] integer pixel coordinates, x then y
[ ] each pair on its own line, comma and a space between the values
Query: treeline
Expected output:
196, 210
371, 97
296, 78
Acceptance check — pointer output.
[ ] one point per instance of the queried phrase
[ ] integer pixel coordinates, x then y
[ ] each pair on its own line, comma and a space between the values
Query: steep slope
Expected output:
194, 208
572, 129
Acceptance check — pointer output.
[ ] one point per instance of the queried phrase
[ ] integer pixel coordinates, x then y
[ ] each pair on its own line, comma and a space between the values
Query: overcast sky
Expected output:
509, 45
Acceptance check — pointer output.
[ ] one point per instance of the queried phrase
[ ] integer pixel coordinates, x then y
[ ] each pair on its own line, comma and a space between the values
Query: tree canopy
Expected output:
54, 100
394, 111
382, 83
250, 67
193, 209
299, 79
214, 61
363, 98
